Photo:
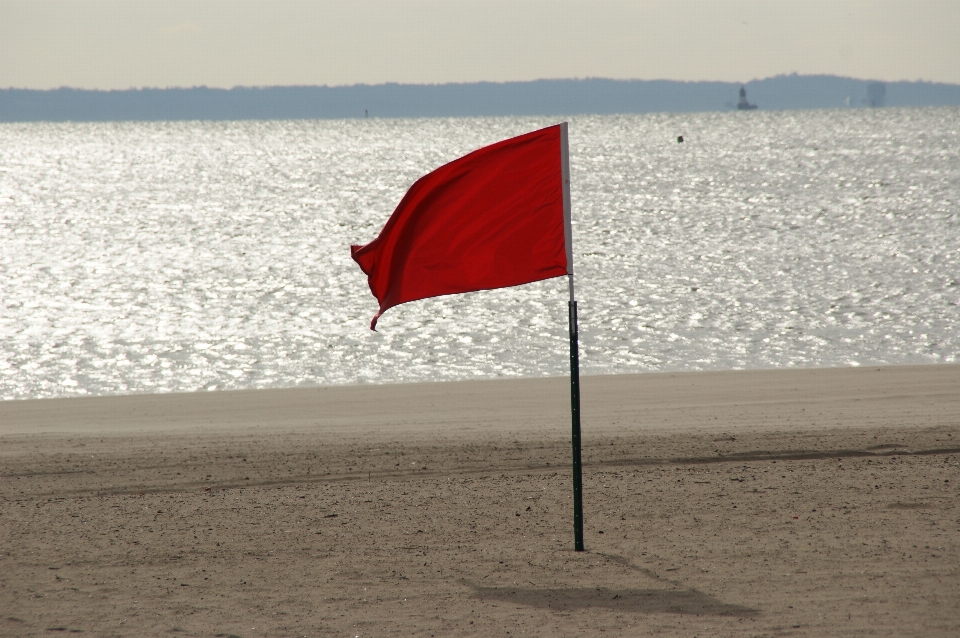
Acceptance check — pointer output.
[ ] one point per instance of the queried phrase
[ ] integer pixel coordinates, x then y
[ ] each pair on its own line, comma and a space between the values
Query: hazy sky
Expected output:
129, 43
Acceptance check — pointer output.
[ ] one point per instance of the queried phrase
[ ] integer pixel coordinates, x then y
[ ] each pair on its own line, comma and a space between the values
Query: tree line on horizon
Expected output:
537, 97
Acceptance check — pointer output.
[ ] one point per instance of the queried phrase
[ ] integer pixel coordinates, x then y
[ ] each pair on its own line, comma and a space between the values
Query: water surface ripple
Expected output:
181, 256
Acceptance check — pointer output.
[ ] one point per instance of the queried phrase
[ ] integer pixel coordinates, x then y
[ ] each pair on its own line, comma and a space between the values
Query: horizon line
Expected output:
477, 82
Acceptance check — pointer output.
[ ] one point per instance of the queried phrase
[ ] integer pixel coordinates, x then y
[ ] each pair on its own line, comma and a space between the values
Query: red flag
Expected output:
497, 217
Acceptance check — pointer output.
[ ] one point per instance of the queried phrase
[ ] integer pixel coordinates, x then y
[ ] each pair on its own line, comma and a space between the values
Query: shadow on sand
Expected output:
687, 601
674, 600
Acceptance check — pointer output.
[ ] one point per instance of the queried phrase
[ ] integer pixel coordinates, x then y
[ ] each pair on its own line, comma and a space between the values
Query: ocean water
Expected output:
185, 256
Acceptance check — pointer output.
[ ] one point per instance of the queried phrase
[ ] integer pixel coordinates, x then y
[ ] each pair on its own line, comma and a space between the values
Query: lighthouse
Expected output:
743, 105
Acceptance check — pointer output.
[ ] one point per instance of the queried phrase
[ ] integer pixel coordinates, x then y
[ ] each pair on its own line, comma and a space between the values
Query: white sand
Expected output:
805, 502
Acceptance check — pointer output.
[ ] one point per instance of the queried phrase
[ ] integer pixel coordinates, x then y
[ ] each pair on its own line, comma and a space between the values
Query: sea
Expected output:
147, 257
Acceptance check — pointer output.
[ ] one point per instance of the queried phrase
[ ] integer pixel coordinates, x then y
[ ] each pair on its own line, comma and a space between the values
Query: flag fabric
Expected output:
497, 217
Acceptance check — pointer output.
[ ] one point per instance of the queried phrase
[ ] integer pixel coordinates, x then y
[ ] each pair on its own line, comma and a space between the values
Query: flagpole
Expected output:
574, 347
575, 413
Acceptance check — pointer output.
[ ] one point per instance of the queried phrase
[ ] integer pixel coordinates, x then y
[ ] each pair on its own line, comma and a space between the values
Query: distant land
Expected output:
539, 97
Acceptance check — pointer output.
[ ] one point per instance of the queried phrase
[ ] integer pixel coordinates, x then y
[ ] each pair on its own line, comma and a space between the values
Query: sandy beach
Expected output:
754, 503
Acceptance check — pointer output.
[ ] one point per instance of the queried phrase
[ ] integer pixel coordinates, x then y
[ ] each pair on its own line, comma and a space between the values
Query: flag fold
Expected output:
491, 219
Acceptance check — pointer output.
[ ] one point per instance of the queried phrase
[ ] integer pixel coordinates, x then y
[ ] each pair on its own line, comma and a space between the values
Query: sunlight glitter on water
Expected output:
168, 257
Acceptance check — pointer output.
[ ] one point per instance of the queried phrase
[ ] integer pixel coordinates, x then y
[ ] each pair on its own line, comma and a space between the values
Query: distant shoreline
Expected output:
533, 98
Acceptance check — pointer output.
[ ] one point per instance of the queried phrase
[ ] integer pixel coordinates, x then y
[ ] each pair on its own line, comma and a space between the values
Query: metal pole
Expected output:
574, 345
575, 413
